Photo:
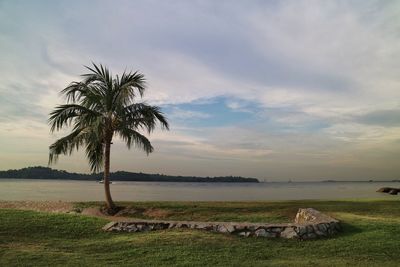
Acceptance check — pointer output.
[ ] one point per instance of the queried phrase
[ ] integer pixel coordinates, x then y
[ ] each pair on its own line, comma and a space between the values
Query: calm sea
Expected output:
27, 189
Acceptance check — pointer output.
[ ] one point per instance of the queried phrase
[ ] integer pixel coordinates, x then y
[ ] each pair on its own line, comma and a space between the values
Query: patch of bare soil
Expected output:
66, 207
140, 212
130, 211
93, 212
46, 206
157, 213
125, 214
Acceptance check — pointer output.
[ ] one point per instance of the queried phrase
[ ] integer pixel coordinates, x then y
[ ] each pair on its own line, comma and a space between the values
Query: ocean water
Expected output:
29, 189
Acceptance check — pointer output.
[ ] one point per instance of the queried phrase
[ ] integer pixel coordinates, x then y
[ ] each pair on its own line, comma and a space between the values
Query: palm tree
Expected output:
99, 108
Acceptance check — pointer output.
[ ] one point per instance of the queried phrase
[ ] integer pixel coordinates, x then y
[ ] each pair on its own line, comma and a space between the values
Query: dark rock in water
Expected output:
384, 189
390, 190
393, 191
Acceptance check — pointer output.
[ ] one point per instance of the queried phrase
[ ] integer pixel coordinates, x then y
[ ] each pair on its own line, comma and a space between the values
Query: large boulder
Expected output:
310, 215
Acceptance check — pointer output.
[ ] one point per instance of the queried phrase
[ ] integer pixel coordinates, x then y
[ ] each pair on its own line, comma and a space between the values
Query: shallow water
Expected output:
29, 189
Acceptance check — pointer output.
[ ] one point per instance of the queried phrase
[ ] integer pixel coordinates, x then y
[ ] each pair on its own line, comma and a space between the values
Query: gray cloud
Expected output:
16, 104
385, 118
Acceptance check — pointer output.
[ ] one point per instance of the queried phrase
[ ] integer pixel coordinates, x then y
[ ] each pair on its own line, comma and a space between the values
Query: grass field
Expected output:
370, 237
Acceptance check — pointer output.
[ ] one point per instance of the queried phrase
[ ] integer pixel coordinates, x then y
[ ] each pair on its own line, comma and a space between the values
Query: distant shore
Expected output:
45, 173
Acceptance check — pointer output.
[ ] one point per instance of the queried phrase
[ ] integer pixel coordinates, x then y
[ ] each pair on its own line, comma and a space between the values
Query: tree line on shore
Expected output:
53, 174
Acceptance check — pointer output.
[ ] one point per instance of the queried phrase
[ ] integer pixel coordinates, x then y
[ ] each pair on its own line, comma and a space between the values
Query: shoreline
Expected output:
206, 182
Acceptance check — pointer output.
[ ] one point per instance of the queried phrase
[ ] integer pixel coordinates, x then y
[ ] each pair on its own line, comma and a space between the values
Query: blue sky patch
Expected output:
219, 111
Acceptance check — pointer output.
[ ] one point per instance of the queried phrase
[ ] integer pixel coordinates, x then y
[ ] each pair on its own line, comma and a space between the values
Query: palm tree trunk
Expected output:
109, 201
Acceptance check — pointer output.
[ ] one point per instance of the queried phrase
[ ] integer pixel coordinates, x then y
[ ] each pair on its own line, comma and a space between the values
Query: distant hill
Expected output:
48, 173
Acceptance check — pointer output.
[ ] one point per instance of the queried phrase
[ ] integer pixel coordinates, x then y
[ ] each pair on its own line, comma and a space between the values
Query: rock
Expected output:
214, 228
319, 233
301, 230
310, 236
322, 227
390, 190
271, 235
332, 231
109, 225
275, 229
164, 225
141, 227
222, 229
336, 226
132, 228
309, 229
252, 227
393, 191
197, 226
208, 227
289, 233
230, 227
263, 233
240, 227
384, 189
245, 234
310, 215
260, 233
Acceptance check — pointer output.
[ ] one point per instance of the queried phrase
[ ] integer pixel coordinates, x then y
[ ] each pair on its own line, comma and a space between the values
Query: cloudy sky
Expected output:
278, 90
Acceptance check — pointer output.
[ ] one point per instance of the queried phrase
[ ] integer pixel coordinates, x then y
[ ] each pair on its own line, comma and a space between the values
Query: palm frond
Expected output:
99, 74
64, 114
95, 153
126, 87
142, 115
132, 137
66, 145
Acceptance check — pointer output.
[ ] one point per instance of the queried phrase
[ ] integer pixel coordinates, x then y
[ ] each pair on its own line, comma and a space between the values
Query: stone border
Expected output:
309, 224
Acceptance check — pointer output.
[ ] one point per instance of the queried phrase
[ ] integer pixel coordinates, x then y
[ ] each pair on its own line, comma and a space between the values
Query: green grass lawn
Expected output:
370, 237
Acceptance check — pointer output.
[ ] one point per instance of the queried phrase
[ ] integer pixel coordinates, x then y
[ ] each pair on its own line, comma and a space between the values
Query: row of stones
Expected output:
289, 231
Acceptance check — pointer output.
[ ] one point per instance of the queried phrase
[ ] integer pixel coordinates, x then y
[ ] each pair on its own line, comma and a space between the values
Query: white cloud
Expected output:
182, 114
